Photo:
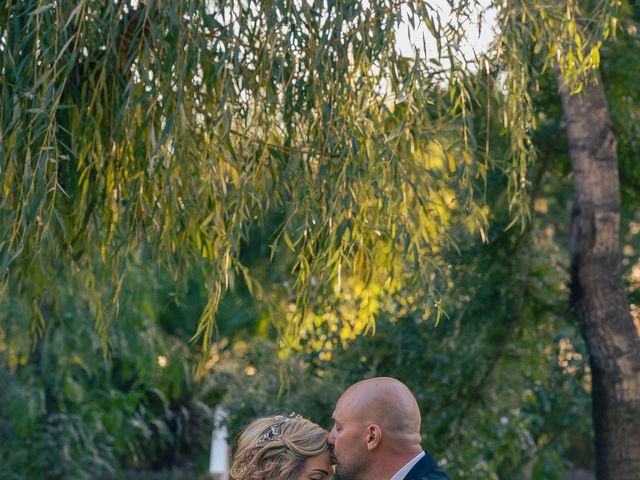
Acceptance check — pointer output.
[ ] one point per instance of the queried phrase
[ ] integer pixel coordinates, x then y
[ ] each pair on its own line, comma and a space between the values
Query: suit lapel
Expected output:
421, 469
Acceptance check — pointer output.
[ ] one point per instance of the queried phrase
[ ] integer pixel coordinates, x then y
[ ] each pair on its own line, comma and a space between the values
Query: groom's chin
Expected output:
338, 472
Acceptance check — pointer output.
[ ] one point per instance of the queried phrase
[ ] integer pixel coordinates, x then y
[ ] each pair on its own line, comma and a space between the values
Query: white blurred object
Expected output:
219, 459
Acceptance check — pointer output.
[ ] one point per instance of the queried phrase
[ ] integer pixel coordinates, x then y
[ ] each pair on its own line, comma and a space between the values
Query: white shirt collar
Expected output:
400, 474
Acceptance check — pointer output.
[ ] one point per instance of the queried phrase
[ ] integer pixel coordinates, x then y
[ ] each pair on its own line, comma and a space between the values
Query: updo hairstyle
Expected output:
276, 448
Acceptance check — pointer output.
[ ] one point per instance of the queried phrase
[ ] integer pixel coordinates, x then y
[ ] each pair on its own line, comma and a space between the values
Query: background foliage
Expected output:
180, 125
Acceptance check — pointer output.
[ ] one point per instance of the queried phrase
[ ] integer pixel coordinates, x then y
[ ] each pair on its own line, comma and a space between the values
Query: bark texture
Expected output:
597, 290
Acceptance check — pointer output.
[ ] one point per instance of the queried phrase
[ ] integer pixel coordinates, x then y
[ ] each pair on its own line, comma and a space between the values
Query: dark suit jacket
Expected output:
426, 469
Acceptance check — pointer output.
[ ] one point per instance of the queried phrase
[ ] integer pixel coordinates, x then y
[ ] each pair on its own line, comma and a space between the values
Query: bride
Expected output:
282, 448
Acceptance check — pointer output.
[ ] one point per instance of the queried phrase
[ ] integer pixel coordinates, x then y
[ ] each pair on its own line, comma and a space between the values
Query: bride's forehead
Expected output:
321, 462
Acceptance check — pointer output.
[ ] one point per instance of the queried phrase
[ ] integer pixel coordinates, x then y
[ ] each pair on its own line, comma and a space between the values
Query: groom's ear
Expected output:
374, 436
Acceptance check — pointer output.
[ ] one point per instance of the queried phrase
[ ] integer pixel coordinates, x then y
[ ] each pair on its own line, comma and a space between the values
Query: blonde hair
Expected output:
277, 448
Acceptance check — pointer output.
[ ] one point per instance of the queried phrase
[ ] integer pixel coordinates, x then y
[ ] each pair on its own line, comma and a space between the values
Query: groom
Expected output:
376, 434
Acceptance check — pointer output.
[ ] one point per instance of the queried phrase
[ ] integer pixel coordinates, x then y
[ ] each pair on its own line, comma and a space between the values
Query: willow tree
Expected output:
176, 126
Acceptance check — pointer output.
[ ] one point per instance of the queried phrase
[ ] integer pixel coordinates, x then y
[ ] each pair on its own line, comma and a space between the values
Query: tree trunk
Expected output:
597, 290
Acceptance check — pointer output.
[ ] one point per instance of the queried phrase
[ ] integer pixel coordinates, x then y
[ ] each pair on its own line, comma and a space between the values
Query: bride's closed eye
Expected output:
324, 476
319, 475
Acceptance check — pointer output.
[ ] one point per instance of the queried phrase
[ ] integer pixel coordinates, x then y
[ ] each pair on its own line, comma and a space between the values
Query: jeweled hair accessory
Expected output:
275, 430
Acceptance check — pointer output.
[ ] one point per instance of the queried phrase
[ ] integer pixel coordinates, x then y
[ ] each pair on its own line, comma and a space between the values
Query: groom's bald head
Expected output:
376, 429
386, 402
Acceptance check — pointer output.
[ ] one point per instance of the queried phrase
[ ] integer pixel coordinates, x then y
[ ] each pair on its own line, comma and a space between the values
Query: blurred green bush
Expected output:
71, 409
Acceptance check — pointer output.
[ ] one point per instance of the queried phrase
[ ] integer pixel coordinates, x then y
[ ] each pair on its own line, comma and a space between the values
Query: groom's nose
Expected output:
330, 438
